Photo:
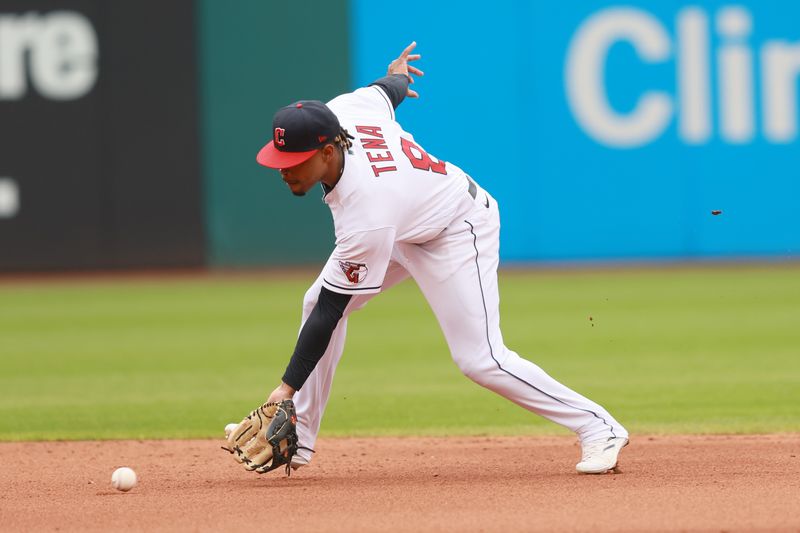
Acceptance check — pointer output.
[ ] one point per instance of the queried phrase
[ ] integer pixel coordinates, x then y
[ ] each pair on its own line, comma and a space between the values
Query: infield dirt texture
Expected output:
702, 364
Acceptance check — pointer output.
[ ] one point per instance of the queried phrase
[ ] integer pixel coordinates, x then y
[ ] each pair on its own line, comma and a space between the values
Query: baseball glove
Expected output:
266, 439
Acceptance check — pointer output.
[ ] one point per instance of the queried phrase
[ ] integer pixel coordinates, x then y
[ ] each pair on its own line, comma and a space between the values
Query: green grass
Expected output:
702, 350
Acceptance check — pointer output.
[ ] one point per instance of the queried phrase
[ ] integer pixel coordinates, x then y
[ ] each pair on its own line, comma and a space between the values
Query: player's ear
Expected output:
327, 152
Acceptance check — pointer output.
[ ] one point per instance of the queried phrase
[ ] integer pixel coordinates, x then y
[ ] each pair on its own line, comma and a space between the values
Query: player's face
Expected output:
301, 178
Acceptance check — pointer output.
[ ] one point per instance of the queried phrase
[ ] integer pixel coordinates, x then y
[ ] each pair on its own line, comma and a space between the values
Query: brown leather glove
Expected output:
266, 438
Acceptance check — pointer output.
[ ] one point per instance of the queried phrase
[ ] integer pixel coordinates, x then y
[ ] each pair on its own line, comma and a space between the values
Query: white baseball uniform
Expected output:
400, 212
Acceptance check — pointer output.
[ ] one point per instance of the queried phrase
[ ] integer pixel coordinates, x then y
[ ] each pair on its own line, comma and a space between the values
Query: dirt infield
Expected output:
714, 483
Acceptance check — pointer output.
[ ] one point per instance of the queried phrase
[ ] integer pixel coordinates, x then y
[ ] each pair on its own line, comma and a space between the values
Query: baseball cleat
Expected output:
300, 459
601, 456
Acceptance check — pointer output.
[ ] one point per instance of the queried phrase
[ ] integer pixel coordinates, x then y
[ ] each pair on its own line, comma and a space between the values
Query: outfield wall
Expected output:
611, 130
607, 131
258, 56
99, 163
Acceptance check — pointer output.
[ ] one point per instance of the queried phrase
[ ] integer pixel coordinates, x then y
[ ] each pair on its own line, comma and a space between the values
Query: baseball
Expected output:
230, 427
123, 479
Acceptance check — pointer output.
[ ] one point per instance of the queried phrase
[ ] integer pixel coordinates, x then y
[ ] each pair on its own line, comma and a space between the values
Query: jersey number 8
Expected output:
420, 159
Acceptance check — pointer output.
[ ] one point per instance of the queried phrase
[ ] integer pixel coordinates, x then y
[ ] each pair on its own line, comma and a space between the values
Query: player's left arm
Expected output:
267, 438
313, 340
357, 266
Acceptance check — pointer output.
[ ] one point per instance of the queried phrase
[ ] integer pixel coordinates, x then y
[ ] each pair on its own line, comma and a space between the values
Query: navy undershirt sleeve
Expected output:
315, 336
395, 86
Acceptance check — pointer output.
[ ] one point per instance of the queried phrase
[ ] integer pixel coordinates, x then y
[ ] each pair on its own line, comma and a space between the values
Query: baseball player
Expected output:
398, 211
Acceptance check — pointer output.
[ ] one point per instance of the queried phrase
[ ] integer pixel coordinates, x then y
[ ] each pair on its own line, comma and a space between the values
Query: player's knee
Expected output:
475, 366
479, 365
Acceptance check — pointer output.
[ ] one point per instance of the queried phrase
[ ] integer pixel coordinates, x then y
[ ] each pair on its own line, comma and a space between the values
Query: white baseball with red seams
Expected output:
400, 212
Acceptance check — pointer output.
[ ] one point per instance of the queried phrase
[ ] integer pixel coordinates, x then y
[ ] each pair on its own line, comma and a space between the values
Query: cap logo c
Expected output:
279, 133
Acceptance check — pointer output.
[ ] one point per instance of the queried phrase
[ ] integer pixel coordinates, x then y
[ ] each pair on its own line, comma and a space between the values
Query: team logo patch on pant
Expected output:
355, 272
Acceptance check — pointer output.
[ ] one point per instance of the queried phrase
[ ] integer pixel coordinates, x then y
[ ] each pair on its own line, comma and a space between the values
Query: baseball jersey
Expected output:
391, 190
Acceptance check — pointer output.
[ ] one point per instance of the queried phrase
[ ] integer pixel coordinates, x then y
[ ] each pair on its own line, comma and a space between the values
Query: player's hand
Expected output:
283, 392
401, 66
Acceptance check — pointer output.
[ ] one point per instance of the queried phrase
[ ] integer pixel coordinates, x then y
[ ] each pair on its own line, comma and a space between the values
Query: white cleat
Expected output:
600, 456
299, 460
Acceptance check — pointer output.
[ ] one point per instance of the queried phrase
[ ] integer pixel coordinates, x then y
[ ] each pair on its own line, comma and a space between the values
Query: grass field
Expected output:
683, 350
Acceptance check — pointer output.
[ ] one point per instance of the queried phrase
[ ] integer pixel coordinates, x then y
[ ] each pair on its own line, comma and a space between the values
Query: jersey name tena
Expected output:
391, 191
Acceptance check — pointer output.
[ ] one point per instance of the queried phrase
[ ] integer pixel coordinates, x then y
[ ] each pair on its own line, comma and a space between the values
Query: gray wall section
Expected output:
257, 56
151, 136
110, 177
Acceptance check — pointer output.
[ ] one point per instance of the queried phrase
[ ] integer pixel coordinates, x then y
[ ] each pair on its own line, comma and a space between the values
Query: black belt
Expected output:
473, 189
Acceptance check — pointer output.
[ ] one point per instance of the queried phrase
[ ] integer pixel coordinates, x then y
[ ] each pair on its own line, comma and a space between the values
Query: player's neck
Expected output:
335, 169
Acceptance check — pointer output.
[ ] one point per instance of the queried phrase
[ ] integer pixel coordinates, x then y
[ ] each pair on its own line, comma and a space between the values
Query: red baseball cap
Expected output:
298, 131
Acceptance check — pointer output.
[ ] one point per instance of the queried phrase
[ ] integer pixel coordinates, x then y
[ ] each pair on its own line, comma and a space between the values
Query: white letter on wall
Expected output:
735, 75
780, 69
17, 38
64, 63
9, 198
585, 80
694, 90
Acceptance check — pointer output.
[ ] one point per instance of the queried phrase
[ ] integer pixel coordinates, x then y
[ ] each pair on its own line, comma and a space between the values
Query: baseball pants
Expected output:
457, 274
